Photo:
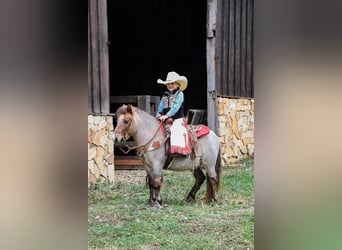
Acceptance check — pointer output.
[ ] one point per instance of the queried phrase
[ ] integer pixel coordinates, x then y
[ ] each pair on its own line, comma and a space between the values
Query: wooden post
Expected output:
95, 75
211, 71
103, 56
98, 81
90, 104
144, 102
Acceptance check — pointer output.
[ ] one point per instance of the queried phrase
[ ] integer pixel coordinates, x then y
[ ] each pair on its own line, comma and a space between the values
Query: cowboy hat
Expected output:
174, 77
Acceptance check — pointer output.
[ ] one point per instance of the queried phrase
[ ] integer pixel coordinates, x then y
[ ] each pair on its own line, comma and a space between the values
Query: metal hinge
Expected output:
211, 30
213, 94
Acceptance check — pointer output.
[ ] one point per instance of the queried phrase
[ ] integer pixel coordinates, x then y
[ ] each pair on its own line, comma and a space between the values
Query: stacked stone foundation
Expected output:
100, 148
236, 129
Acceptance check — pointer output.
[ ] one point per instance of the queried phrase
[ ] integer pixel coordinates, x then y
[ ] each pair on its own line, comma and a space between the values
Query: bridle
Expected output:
126, 129
166, 137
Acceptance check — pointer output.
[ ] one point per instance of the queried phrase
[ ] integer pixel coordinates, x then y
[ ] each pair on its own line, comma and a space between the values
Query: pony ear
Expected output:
129, 108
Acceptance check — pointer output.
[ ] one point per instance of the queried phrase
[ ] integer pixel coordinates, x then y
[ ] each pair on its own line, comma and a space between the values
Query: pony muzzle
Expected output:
117, 138
120, 138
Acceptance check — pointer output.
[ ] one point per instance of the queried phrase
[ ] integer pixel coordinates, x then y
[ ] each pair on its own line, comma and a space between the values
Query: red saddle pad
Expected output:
201, 130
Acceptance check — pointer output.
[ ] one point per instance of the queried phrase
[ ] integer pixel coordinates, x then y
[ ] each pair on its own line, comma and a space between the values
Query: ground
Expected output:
130, 176
119, 217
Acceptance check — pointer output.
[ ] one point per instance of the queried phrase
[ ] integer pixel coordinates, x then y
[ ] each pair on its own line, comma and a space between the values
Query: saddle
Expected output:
199, 130
194, 133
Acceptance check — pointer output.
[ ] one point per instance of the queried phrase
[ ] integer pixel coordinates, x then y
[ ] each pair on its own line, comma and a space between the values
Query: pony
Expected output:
149, 135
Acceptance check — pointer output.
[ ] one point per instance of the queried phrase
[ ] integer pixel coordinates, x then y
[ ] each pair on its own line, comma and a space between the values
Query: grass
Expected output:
119, 218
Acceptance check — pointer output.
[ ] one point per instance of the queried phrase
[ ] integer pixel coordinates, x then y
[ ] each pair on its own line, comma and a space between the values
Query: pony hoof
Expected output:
155, 204
190, 199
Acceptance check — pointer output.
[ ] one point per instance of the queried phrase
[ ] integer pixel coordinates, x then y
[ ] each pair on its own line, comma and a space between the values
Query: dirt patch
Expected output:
130, 176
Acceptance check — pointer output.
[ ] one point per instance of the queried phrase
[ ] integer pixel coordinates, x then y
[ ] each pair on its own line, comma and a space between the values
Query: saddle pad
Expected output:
201, 130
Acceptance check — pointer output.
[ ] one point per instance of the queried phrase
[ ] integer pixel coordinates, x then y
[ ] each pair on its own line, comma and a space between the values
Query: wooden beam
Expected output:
95, 67
144, 102
103, 56
90, 73
128, 163
211, 65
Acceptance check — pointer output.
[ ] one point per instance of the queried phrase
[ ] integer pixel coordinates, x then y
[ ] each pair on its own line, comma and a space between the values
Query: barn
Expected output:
133, 43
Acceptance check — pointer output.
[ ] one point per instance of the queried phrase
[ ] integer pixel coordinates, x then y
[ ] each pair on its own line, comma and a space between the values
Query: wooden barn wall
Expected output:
234, 48
98, 74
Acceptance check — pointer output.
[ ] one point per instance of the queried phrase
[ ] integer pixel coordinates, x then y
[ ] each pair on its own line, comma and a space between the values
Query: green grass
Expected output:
119, 217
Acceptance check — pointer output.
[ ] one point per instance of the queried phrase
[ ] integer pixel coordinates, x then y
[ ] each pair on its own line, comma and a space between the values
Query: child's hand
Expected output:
163, 117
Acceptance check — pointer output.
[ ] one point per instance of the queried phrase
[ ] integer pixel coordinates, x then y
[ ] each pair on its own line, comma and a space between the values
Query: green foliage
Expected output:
119, 217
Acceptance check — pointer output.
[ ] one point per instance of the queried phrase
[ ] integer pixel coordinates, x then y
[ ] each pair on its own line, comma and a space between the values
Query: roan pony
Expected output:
147, 132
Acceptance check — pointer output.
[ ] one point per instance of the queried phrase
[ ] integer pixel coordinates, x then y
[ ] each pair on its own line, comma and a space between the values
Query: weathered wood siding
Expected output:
98, 74
234, 48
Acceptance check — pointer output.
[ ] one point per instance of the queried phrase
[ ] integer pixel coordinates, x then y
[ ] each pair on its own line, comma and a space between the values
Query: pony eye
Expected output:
126, 121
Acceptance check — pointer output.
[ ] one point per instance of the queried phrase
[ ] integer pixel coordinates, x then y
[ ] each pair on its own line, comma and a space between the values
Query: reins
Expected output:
144, 144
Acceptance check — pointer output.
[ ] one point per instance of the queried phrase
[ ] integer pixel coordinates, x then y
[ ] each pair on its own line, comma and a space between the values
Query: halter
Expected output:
126, 129
144, 144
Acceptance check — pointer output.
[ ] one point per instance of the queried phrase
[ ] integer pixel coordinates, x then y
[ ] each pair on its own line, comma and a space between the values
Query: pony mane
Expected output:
143, 115
121, 110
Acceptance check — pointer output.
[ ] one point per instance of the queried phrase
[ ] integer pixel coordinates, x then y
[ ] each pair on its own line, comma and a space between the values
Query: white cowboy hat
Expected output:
174, 77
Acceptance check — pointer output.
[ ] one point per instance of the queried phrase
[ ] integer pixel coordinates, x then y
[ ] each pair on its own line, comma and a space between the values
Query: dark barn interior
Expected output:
147, 39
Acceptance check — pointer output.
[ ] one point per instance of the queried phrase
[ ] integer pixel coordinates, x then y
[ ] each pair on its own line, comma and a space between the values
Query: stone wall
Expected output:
235, 129
100, 148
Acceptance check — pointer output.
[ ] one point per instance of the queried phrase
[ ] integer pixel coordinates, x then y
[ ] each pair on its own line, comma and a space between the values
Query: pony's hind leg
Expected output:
199, 179
213, 184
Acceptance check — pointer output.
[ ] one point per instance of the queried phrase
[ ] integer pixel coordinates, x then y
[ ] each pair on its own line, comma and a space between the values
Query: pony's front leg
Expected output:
155, 184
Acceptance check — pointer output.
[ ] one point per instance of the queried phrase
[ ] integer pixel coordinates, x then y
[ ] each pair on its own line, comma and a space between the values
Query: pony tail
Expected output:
218, 168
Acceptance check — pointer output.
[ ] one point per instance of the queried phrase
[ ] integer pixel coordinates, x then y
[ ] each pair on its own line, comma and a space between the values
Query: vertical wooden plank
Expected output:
154, 104
219, 51
90, 100
103, 55
95, 80
143, 102
234, 70
243, 47
225, 61
237, 59
249, 70
211, 71
231, 52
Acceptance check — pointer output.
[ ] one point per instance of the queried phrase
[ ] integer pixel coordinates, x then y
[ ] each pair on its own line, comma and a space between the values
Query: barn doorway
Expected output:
147, 39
